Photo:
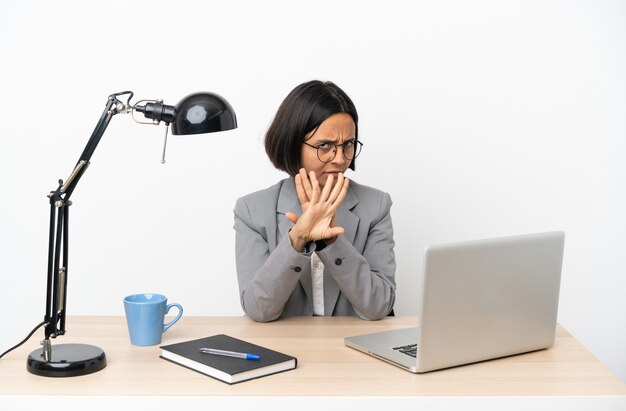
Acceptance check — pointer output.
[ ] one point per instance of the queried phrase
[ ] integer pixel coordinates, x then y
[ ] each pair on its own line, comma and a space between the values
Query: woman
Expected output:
315, 243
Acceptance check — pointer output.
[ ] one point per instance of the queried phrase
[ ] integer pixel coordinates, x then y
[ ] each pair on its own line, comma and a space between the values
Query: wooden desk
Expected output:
325, 366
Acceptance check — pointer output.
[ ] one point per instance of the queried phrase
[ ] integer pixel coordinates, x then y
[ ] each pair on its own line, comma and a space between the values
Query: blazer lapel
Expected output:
288, 201
350, 222
346, 218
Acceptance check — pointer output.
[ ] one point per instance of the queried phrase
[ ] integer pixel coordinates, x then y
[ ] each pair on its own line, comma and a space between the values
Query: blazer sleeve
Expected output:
266, 280
368, 279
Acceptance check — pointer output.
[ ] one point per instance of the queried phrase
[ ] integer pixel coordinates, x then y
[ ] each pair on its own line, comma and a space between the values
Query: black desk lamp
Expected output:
197, 113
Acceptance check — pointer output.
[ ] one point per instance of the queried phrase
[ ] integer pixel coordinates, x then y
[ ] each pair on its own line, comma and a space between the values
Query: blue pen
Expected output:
243, 355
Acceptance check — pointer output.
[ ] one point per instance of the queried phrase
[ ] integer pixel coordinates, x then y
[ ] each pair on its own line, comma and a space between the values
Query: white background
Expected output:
480, 119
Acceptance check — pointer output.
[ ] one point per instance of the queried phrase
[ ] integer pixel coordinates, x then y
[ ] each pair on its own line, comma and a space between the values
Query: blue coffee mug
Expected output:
145, 315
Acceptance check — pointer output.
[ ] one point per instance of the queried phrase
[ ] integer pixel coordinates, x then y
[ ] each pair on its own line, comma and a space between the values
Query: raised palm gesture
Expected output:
319, 207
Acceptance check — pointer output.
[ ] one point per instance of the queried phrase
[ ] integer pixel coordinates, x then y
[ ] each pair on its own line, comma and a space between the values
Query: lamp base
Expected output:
67, 360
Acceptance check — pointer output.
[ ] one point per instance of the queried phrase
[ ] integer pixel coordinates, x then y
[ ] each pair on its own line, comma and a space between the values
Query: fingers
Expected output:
327, 188
319, 207
336, 188
319, 204
291, 217
340, 191
315, 191
308, 188
344, 189
334, 232
306, 183
302, 195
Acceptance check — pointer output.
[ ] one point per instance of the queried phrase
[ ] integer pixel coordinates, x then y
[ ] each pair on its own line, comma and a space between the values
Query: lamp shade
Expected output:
203, 113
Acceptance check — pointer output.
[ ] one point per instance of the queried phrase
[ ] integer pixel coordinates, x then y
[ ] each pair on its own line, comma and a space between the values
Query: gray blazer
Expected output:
359, 267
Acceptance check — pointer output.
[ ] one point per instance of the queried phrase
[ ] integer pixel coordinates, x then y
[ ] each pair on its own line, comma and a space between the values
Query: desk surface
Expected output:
325, 366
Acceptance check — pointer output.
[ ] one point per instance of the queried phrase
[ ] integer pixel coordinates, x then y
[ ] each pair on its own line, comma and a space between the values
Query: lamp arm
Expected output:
114, 106
56, 286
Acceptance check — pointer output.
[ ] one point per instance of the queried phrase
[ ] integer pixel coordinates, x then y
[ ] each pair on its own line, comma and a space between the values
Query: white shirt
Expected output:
317, 281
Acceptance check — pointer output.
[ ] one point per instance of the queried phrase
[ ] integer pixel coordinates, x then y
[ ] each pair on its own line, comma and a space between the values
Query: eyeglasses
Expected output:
326, 152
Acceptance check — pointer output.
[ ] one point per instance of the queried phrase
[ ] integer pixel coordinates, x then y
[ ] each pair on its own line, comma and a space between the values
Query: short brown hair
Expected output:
301, 112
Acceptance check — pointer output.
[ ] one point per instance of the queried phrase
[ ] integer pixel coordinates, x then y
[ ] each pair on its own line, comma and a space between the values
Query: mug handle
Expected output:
167, 310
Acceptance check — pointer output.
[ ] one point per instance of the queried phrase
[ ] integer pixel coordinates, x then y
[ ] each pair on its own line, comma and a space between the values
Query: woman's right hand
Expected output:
319, 207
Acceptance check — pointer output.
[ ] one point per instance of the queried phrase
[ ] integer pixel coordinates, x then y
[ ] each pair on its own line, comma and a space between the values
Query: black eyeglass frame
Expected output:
357, 150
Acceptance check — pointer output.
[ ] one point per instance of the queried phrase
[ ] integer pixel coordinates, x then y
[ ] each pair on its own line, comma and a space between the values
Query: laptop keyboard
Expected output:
410, 349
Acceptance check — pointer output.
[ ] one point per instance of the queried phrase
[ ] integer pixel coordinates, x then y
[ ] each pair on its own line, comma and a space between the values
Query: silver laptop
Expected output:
481, 300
